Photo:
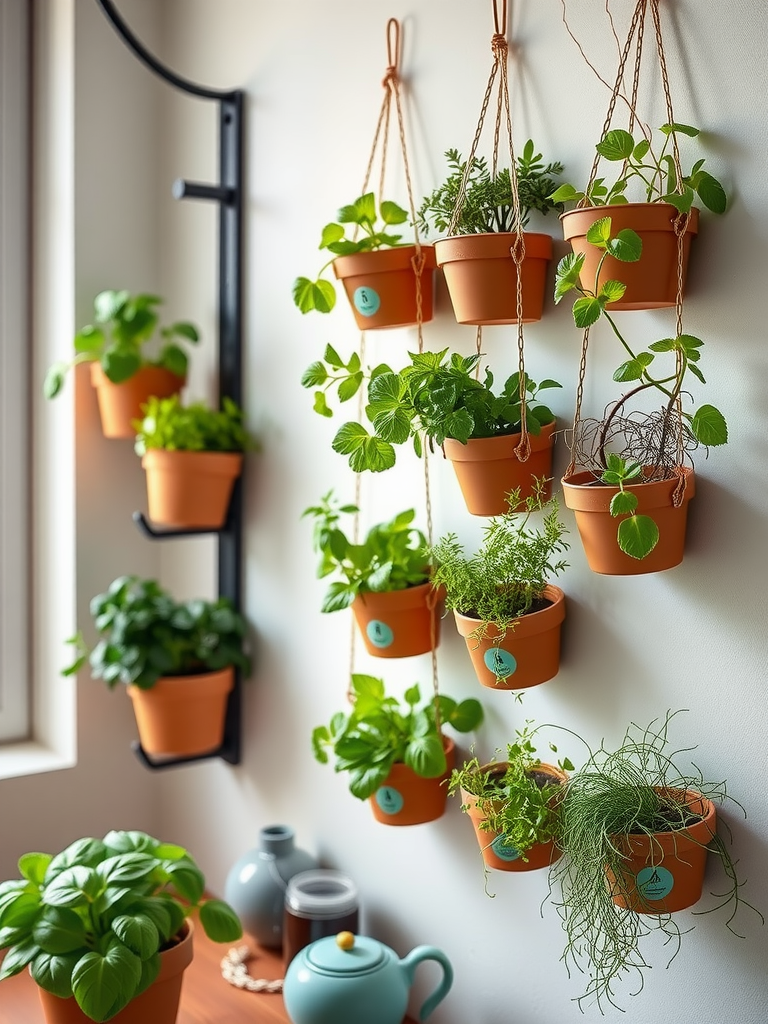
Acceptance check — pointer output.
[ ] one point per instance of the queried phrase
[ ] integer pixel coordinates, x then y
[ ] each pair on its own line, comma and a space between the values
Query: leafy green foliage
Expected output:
507, 575
379, 731
435, 397
392, 556
92, 921
320, 294
518, 804
193, 428
635, 789
488, 203
656, 174
145, 634
637, 535
124, 324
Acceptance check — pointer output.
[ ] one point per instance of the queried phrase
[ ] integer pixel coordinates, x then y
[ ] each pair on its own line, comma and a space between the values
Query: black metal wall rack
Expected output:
229, 196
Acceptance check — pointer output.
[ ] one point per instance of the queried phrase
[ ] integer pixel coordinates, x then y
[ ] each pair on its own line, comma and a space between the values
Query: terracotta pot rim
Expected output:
100, 379
222, 463
406, 597
658, 211
583, 494
694, 833
530, 624
382, 261
499, 767
491, 245
483, 449
220, 678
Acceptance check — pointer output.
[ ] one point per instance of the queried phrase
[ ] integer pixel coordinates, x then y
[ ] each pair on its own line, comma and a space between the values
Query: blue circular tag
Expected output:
379, 633
501, 663
366, 301
503, 849
654, 883
389, 800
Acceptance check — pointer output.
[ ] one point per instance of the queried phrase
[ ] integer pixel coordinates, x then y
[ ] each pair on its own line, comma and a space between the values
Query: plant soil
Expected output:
538, 605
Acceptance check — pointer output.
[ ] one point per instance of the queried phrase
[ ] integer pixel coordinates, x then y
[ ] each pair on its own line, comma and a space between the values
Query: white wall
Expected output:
632, 648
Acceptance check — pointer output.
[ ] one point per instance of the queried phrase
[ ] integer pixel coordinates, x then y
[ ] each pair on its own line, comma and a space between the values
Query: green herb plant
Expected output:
123, 325
362, 214
507, 575
635, 789
380, 731
654, 173
638, 534
516, 795
391, 557
92, 921
435, 397
488, 202
145, 634
172, 426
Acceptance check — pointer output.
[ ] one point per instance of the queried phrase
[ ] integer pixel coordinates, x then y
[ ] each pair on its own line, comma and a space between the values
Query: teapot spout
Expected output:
412, 961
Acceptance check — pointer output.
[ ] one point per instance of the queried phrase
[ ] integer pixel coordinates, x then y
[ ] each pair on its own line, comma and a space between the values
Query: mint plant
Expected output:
193, 428
91, 922
124, 324
391, 557
656, 174
320, 294
487, 204
379, 731
437, 396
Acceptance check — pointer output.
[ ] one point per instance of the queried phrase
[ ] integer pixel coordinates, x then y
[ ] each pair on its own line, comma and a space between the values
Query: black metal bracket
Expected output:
229, 195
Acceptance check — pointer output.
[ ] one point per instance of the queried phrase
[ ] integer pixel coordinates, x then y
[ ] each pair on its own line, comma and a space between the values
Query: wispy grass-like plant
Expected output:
637, 789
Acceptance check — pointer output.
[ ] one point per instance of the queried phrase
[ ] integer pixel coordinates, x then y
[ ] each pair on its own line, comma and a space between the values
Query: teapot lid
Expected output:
337, 955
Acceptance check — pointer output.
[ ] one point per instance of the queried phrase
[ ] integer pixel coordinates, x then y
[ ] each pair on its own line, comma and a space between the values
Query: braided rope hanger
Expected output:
680, 224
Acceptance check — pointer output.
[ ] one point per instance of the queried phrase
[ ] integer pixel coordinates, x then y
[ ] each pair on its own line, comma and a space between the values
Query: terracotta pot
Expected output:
528, 655
498, 854
598, 528
481, 276
665, 872
120, 404
399, 623
651, 281
487, 469
190, 489
159, 1004
405, 798
183, 716
381, 286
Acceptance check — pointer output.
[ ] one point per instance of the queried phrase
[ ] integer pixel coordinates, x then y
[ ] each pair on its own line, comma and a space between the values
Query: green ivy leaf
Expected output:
586, 311
315, 375
220, 922
426, 755
711, 192
612, 291
119, 365
138, 933
309, 295
599, 232
568, 270
708, 426
616, 145
638, 536
623, 502
627, 246
104, 984
59, 930
391, 213
349, 387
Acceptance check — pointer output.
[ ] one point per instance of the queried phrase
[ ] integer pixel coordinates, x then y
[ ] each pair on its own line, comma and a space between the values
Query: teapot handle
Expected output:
412, 961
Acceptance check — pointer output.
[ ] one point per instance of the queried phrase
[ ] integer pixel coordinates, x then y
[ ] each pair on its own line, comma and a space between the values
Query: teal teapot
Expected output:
346, 979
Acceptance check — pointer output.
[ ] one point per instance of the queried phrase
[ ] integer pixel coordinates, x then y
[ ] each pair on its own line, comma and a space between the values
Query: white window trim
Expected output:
53, 726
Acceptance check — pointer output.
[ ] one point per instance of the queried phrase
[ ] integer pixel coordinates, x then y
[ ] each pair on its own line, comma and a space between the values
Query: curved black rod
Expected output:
175, 762
149, 530
153, 63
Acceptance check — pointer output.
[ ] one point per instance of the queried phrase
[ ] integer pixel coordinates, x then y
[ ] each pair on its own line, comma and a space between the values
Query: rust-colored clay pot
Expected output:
159, 1004
487, 469
190, 489
120, 404
182, 716
399, 623
498, 854
598, 528
405, 798
481, 276
665, 872
652, 280
528, 654
381, 286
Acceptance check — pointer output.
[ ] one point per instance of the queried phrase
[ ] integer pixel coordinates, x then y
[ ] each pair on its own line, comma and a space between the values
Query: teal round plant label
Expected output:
366, 301
504, 850
654, 883
379, 634
389, 800
501, 663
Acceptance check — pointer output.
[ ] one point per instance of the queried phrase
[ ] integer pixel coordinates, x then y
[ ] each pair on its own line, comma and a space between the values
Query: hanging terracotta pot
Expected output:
381, 286
651, 281
183, 716
120, 404
405, 798
529, 652
159, 1004
496, 852
591, 503
399, 623
487, 469
665, 872
481, 276
190, 489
